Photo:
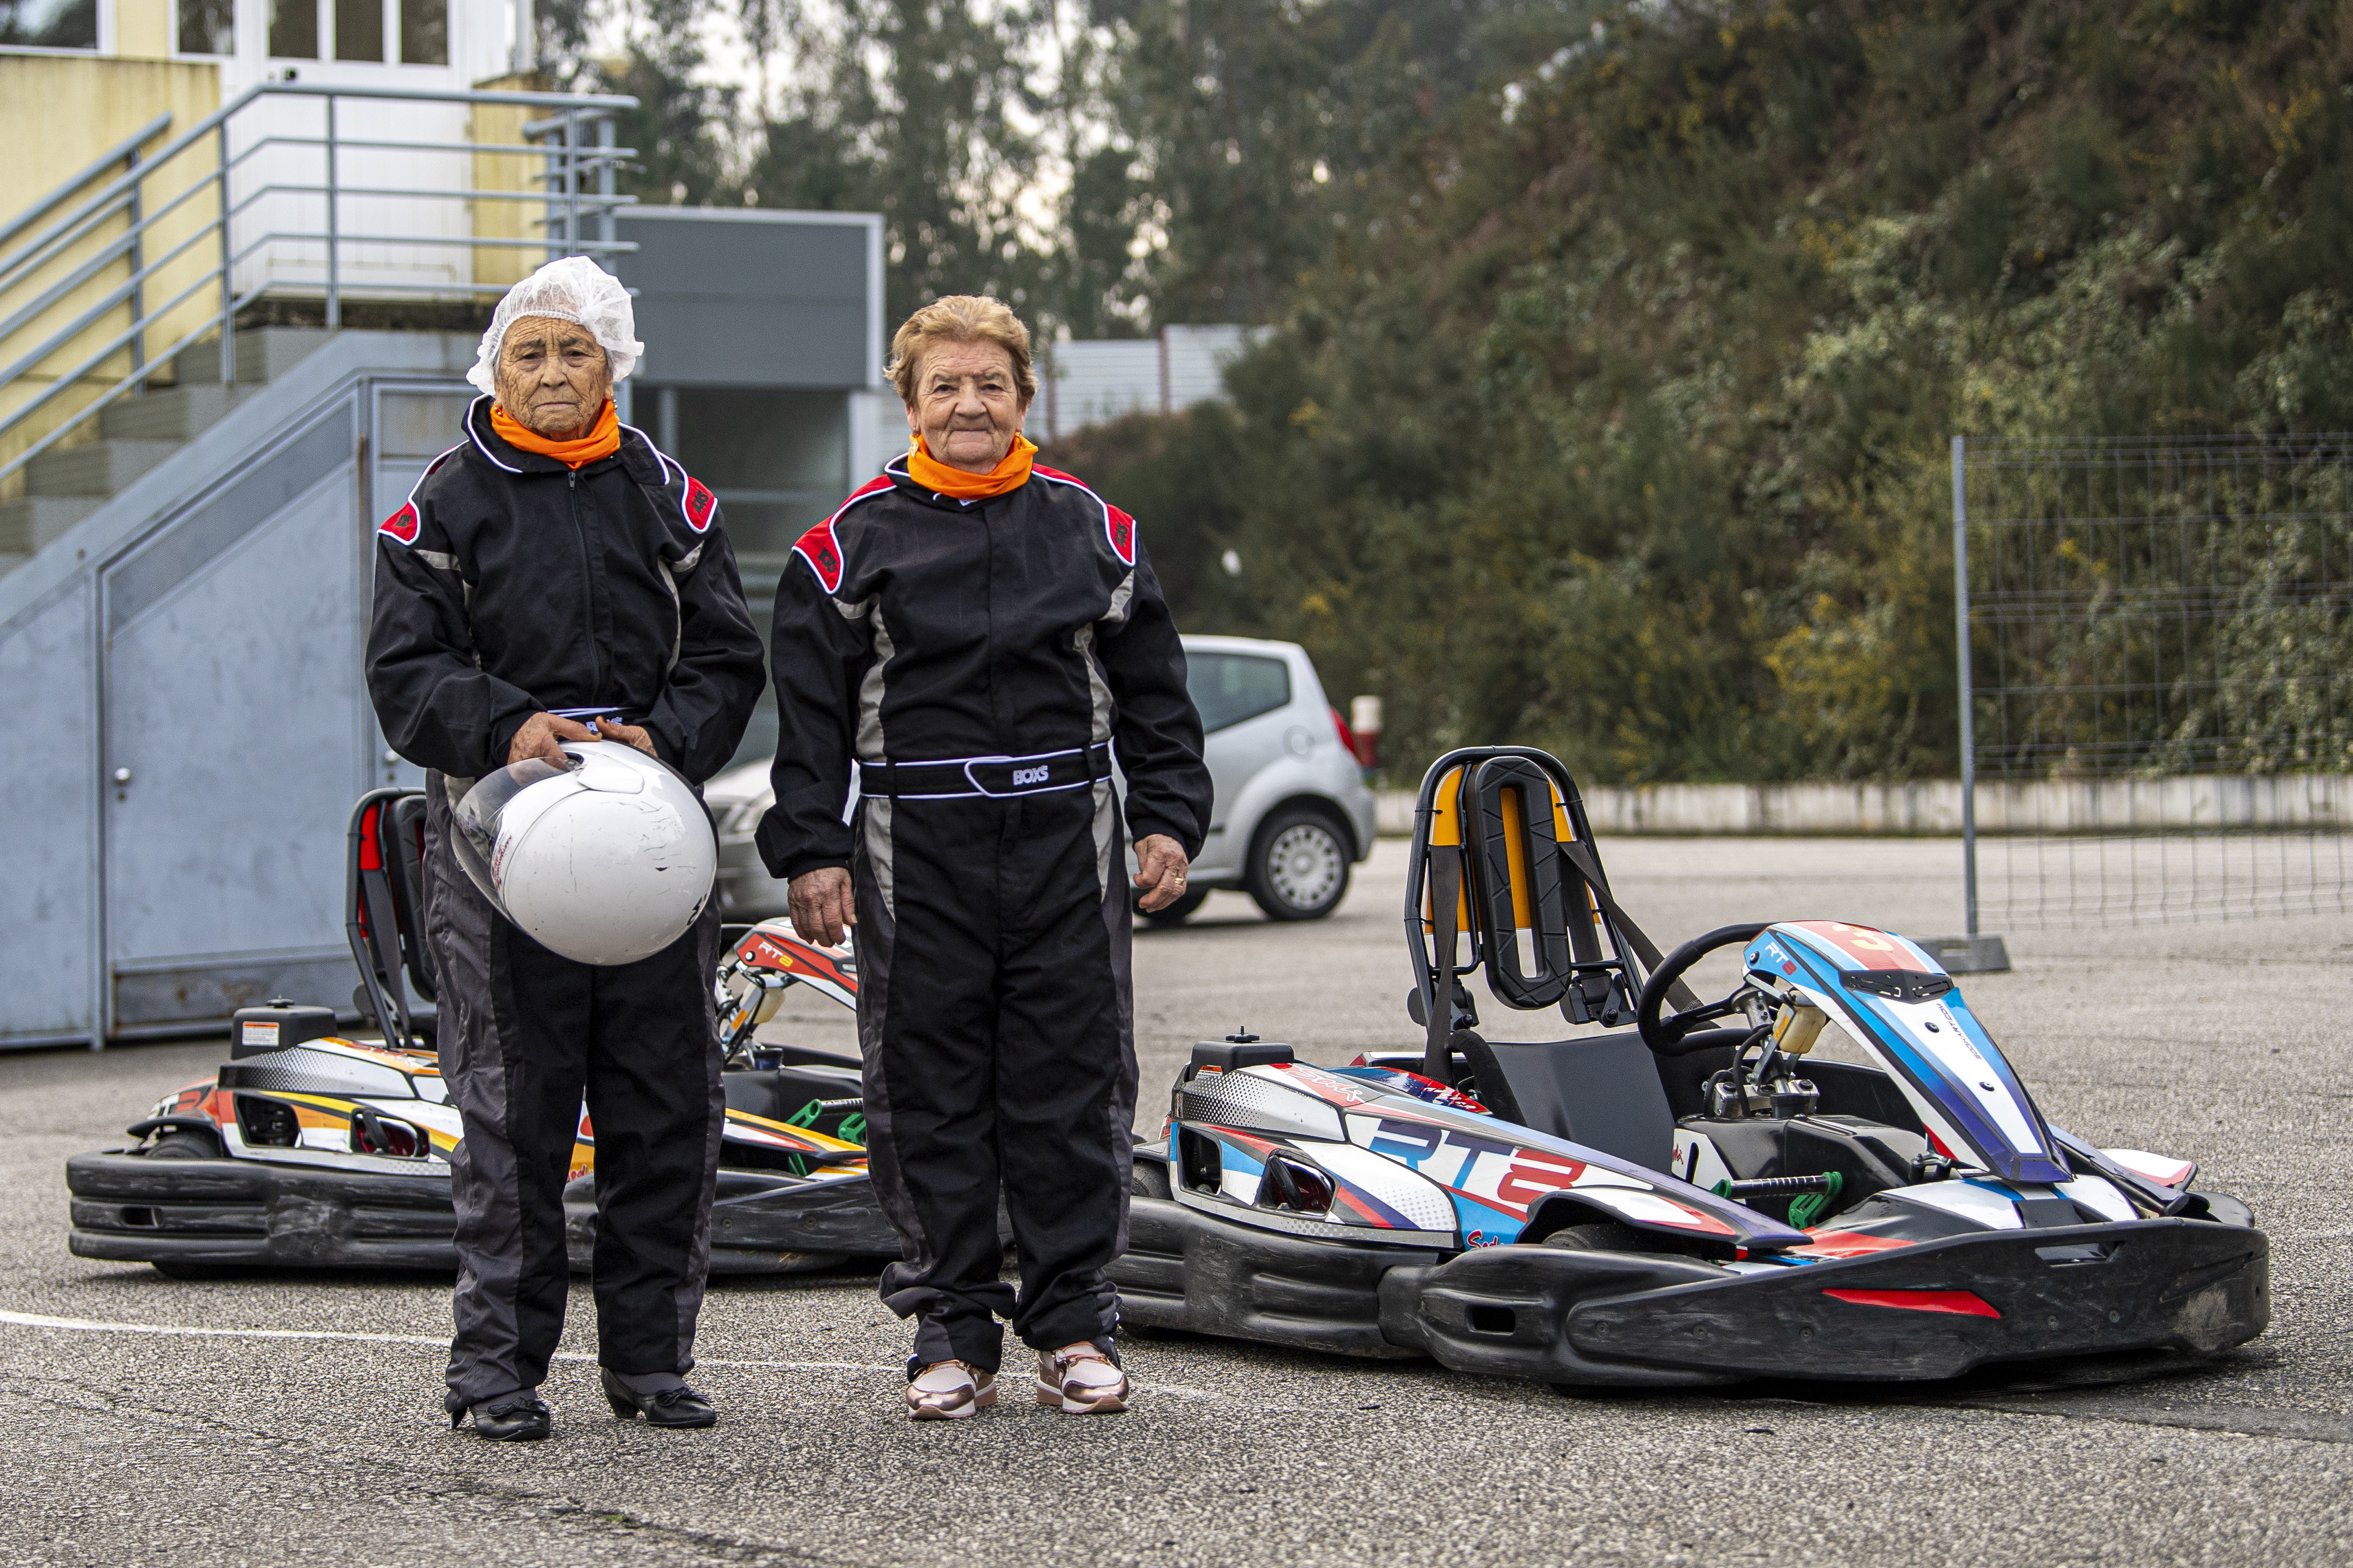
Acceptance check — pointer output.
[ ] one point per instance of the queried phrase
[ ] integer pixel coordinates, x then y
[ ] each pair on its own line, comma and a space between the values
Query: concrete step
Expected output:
172, 414
98, 469
27, 524
262, 355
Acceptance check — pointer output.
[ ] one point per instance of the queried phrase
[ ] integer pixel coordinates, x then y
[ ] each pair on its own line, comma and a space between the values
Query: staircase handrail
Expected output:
567, 160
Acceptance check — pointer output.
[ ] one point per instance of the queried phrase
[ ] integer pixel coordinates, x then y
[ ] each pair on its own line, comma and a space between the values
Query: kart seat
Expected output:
1601, 1090
384, 915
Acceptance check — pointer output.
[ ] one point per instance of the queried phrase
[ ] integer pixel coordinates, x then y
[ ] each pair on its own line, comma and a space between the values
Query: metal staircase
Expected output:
165, 249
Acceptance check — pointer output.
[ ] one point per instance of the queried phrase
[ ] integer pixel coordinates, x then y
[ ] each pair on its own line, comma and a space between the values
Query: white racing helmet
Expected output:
605, 862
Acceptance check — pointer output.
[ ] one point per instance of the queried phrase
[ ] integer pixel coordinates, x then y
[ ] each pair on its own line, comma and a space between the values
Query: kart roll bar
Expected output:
1451, 877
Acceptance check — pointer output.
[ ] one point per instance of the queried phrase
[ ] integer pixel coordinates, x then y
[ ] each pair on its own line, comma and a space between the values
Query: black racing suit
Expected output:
508, 585
981, 662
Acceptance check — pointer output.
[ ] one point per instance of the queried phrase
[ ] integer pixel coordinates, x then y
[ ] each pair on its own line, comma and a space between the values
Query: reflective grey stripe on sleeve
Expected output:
1120, 600
440, 560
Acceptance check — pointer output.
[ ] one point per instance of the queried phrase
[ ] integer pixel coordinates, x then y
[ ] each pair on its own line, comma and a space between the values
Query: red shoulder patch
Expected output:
819, 548
1119, 529
401, 525
700, 504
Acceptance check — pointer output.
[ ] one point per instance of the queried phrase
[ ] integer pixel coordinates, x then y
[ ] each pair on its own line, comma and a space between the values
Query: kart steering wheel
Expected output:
1672, 1035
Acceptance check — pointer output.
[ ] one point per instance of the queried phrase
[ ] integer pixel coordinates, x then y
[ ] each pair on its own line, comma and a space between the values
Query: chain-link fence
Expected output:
2159, 688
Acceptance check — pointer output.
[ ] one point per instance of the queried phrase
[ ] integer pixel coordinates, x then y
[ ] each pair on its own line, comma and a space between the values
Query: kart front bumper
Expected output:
1931, 1310
252, 1213
128, 1208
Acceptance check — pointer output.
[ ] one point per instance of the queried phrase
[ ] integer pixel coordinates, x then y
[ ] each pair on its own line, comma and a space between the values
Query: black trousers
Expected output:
524, 1035
995, 1013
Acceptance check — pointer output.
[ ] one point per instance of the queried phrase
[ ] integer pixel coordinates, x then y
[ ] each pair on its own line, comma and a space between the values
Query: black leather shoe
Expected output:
680, 1407
517, 1417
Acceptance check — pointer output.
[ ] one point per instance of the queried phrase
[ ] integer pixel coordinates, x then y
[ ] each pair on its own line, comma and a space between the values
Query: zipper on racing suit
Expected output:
587, 582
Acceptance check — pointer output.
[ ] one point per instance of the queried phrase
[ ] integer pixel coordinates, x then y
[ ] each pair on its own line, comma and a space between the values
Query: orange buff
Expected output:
1010, 474
604, 438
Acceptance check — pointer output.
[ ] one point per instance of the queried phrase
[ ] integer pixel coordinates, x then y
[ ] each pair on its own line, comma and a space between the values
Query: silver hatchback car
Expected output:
1292, 814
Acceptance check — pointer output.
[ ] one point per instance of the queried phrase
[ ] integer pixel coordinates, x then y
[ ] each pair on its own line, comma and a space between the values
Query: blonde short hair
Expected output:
960, 318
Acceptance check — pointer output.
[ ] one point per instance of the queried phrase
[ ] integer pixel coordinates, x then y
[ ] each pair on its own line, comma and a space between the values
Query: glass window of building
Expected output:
425, 32
208, 28
359, 29
779, 461
294, 29
50, 24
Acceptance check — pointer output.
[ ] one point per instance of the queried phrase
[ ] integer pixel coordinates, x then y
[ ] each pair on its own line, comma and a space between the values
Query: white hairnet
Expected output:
573, 289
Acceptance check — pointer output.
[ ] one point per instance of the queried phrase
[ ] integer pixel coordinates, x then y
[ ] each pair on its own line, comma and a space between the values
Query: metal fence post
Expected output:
334, 278
1967, 689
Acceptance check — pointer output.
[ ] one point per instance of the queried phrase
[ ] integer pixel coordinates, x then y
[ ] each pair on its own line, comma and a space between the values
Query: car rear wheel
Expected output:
1174, 914
1298, 865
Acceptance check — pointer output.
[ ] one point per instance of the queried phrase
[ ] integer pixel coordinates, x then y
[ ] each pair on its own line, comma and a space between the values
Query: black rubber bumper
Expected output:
1557, 1315
762, 1223
130, 1209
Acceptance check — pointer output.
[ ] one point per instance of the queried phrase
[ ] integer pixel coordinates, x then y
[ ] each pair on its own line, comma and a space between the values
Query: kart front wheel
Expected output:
186, 1143
1298, 865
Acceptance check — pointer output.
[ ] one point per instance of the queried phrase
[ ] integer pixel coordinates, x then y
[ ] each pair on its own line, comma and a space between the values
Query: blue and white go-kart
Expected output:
1697, 1199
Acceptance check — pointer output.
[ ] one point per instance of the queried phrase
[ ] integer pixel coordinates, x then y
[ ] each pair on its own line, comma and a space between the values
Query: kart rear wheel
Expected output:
1599, 1236
1298, 867
1150, 1181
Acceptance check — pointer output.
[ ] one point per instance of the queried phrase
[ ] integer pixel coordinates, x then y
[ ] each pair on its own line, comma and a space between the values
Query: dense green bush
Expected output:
1615, 419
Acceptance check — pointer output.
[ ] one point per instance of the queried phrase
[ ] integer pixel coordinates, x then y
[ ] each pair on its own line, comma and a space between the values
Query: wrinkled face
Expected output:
967, 407
553, 376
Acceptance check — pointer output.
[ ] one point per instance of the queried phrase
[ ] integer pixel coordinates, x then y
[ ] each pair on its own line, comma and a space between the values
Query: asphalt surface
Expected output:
280, 1418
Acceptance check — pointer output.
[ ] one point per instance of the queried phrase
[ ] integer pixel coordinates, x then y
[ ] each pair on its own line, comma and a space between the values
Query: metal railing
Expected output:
172, 224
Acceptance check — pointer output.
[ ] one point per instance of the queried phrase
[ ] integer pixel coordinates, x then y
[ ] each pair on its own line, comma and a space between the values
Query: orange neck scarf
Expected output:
604, 438
1009, 474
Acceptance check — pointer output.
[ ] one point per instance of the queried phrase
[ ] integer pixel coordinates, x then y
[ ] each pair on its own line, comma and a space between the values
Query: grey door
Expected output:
236, 735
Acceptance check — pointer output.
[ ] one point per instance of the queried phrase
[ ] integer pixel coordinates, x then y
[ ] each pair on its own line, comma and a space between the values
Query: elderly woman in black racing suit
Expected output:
983, 638
551, 578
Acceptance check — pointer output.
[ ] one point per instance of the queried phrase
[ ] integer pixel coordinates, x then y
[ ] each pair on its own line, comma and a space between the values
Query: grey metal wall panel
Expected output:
183, 548
726, 303
236, 701
49, 805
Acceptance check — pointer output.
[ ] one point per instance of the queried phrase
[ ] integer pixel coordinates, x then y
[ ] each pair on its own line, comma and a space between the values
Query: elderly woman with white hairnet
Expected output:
554, 577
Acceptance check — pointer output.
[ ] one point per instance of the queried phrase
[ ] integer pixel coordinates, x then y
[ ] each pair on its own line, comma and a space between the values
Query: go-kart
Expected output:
1698, 1198
312, 1148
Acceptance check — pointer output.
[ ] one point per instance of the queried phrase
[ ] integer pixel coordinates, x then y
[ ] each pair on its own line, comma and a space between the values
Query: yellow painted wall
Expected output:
496, 125
56, 113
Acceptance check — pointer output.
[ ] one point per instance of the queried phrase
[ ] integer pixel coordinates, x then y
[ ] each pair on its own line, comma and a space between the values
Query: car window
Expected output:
1228, 688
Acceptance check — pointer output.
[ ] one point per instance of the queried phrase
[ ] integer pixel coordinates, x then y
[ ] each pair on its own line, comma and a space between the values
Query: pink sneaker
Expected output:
1081, 1381
949, 1391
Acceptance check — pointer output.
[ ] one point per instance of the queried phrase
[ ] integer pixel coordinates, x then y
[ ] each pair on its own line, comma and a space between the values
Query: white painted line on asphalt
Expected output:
103, 1326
